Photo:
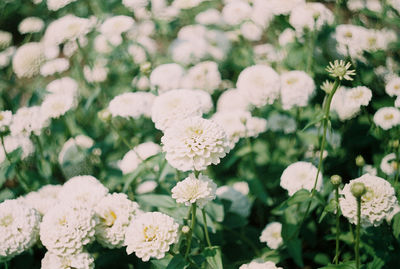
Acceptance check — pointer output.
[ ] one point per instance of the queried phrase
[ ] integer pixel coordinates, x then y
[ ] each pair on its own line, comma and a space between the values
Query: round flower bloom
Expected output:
54, 66
209, 17
57, 4
31, 25
194, 143
97, 73
204, 76
80, 260
387, 117
166, 77
240, 204
56, 105
192, 190
115, 212
272, 235
310, 16
242, 187
260, 84
43, 199
287, 36
28, 59
236, 12
251, 31
28, 120
260, 264
174, 106
66, 228
205, 99
377, 204
389, 164
78, 141
19, 227
5, 119
296, 89
347, 102
65, 85
116, 25
86, 190
137, 155
146, 187
5, 56
232, 99
300, 175
349, 39
393, 87
11, 143
150, 235
5, 39
132, 104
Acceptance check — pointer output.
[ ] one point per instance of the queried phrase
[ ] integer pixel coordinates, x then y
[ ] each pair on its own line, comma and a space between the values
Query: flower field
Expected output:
250, 134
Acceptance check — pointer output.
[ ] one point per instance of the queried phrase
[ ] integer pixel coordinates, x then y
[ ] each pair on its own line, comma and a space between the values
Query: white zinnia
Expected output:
297, 87
194, 143
28, 59
31, 25
113, 27
133, 158
56, 105
204, 76
387, 117
389, 165
260, 265
393, 87
54, 66
199, 190
150, 235
232, 99
43, 199
5, 119
65, 85
12, 143
300, 175
347, 102
132, 104
260, 84
80, 260
311, 16
5, 39
166, 77
28, 120
19, 227
272, 235
236, 12
377, 204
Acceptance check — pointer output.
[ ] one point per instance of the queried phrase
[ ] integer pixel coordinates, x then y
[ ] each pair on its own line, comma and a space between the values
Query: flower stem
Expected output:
357, 246
39, 145
336, 259
190, 235
123, 139
205, 228
311, 47
396, 179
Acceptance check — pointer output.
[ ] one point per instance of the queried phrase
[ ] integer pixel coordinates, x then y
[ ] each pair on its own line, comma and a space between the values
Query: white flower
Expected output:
115, 212
12, 143
267, 53
86, 190
272, 235
297, 87
141, 83
236, 11
281, 122
284, 7
132, 104
43, 199
174, 106
387, 117
138, 53
242, 187
261, 14
204, 76
71, 146
116, 25
199, 190
150, 235
19, 227
300, 175
146, 187
232, 99
5, 119
102, 44
259, 265
54, 66
5, 56
28, 120
194, 143
28, 59
56, 105
311, 16
97, 73
65, 85
260, 84
57, 4
80, 260
287, 36
389, 164
166, 77
350, 39
66, 228
205, 99
30, 25
5, 39
347, 102
209, 17
251, 31
377, 204
393, 87
240, 204
186, 4
137, 155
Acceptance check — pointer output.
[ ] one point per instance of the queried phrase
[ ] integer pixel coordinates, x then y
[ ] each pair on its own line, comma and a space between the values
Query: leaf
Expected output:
215, 210
213, 257
162, 263
177, 262
396, 226
330, 208
345, 265
133, 176
157, 200
295, 251
318, 118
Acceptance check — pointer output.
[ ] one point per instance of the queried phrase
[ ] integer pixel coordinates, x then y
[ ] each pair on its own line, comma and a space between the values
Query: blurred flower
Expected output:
300, 175
204, 76
12, 143
54, 66
389, 164
387, 117
133, 158
5, 39
393, 87
272, 235
43, 199
57, 4
27, 60
166, 77
297, 87
146, 187
232, 99
311, 16
347, 102
31, 25
81, 260
259, 264
5, 119
132, 104
240, 203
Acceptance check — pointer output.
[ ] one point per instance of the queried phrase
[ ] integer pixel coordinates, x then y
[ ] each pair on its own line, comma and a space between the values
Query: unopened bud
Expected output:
185, 229
360, 161
395, 144
336, 180
104, 115
145, 67
358, 189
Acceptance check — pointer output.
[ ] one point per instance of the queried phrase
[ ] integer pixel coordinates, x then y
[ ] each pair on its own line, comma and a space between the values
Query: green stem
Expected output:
205, 228
5, 265
39, 146
192, 224
311, 46
123, 139
337, 224
357, 247
396, 179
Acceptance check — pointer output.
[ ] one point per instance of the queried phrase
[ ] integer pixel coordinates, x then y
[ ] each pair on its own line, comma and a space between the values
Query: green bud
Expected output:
360, 161
358, 189
336, 180
185, 229
104, 115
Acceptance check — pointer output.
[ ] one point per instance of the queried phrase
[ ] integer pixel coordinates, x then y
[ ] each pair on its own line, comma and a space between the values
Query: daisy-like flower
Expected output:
56, 105
340, 69
232, 99
166, 77
389, 165
43, 199
393, 87
66, 228
259, 265
297, 87
150, 235
300, 175
272, 235
194, 143
377, 204
27, 60
132, 104
327, 86
199, 190
240, 204
54, 66
5, 119
137, 155
115, 212
31, 25
5, 39
387, 117
82, 260
19, 227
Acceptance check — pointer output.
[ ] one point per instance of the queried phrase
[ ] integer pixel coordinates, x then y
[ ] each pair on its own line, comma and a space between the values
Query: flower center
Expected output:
396, 87
292, 80
109, 218
348, 35
62, 221
1, 117
369, 195
6, 220
388, 117
150, 233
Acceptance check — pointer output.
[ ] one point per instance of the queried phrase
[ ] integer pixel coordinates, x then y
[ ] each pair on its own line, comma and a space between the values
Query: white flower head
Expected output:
240, 203
65, 85
204, 76
166, 77
311, 16
347, 102
300, 175
5, 119
236, 12
81, 260
232, 99
43, 199
377, 204
115, 212
56, 105
260, 84
116, 25
297, 87
150, 235
28, 120
12, 143
194, 143
251, 31
5, 39
57, 4
146, 187
132, 104
19, 227
272, 235
30, 25
66, 228
54, 66
133, 158
27, 60
393, 87
199, 190
387, 117
260, 265
389, 164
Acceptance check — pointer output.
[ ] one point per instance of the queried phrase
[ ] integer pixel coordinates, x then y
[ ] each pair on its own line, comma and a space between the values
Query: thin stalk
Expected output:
192, 225
123, 139
337, 224
39, 146
357, 247
205, 228
396, 179
5, 265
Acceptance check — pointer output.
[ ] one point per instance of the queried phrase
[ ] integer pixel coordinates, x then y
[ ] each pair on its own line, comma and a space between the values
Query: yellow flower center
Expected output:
109, 218
1, 117
150, 233
396, 87
6, 220
292, 81
388, 117
62, 221
348, 35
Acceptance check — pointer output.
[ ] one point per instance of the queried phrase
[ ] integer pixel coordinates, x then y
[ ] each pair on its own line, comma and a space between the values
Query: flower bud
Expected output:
336, 180
185, 229
104, 115
360, 161
358, 189
145, 67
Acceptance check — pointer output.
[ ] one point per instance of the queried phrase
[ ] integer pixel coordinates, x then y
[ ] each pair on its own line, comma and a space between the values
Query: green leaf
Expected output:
330, 208
213, 257
215, 210
162, 263
295, 251
318, 118
133, 176
345, 265
177, 262
396, 226
157, 200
